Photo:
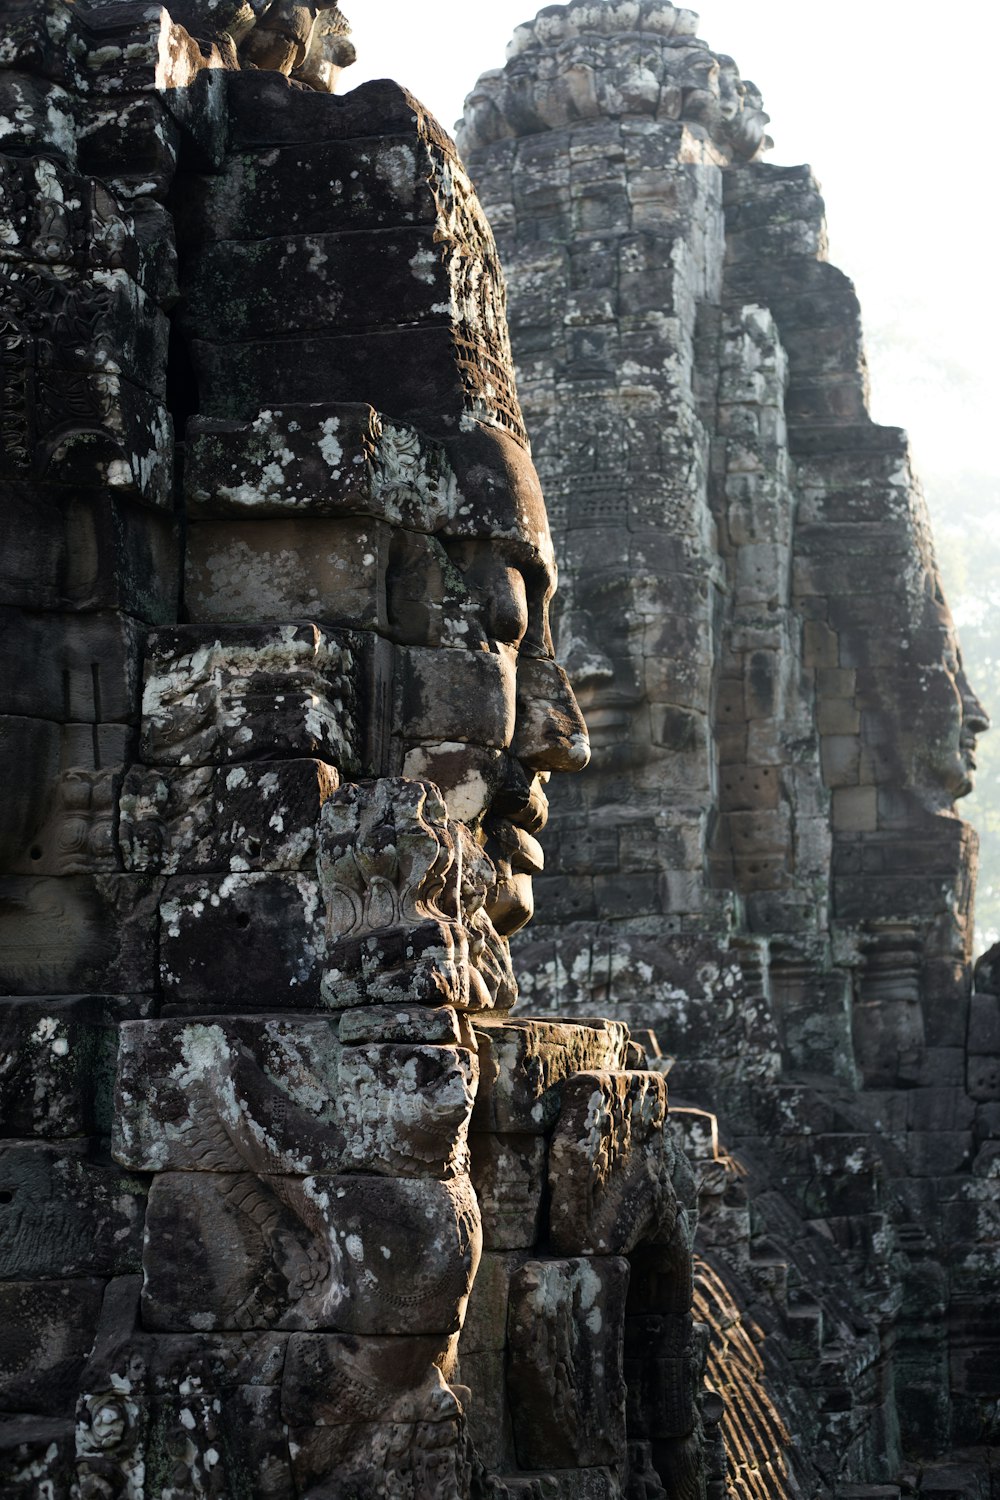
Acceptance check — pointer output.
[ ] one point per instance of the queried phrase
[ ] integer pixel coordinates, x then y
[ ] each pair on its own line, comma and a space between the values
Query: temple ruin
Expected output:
323, 1175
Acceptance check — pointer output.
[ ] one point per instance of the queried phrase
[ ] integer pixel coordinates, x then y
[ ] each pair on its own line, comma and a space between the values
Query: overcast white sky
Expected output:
893, 104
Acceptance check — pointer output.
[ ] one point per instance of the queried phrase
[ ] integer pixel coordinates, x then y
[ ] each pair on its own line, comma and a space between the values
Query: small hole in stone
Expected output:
36, 852
243, 920
6, 1196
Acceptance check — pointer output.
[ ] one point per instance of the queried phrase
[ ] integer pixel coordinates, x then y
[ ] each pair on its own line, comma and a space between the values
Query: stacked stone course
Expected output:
763, 862
290, 1204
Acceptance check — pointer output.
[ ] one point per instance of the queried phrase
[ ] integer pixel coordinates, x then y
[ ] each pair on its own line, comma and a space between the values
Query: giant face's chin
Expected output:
509, 828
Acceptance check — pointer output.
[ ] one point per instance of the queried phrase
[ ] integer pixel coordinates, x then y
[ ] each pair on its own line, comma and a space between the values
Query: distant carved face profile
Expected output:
496, 715
951, 717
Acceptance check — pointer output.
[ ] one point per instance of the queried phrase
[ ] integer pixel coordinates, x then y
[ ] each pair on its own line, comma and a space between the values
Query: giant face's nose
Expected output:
975, 719
549, 732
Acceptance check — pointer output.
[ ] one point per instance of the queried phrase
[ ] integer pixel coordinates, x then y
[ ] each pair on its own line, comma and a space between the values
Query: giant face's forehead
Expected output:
314, 462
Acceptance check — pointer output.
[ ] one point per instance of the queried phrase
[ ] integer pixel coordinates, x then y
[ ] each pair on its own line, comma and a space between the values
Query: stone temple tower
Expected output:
764, 862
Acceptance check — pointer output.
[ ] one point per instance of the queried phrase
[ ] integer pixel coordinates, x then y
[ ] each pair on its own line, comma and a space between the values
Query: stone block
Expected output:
63, 551
840, 757
820, 645
308, 283
508, 1174
349, 1254
837, 716
855, 809
663, 1377
429, 1457
71, 824
484, 1375
566, 1484
285, 1096
485, 1327
102, 432
288, 461
610, 1164
760, 834
749, 788
266, 110
984, 1079
568, 1407
44, 115
984, 1026
256, 572
938, 1153
84, 669
79, 934
58, 1079
30, 754
249, 818
524, 1063
335, 184
49, 1327
250, 942
939, 1108
410, 372
339, 1380
36, 1451
233, 693
403, 1023
64, 1215
459, 696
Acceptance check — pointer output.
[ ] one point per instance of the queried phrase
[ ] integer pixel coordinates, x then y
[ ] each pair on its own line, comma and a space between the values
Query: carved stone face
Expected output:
950, 718
499, 547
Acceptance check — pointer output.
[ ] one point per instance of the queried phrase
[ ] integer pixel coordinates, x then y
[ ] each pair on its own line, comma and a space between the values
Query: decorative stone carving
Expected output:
397, 902
765, 862
286, 1096
284, 757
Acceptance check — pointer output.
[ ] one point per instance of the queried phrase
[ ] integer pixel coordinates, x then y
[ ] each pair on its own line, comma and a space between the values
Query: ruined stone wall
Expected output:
764, 862
290, 1204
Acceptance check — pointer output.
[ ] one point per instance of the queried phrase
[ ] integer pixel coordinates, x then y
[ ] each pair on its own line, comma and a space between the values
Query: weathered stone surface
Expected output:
327, 801
336, 1380
508, 1174
58, 1063
410, 1023
244, 818
318, 461
243, 1252
430, 1457
258, 571
212, 925
73, 830
408, 903
84, 670
485, 1327
661, 1372
523, 1064
374, 181
36, 1451
79, 934
239, 693
565, 1380
285, 1096
312, 282
764, 862
610, 1164
49, 1329
64, 1215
